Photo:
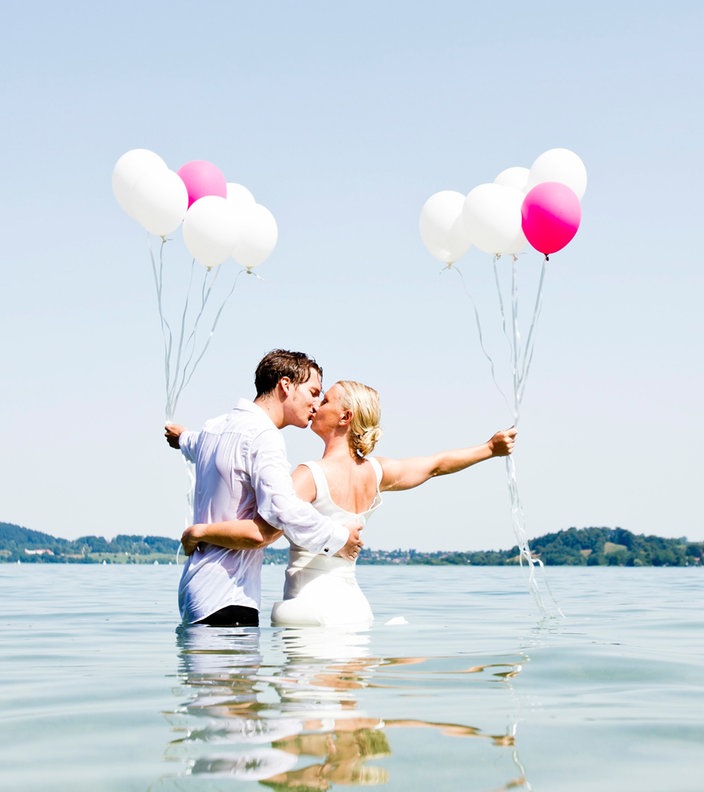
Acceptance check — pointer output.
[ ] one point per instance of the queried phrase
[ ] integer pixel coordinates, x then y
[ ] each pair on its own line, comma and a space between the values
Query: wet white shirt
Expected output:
242, 469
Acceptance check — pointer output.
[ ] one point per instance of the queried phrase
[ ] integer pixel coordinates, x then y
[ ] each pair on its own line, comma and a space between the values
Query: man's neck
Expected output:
273, 407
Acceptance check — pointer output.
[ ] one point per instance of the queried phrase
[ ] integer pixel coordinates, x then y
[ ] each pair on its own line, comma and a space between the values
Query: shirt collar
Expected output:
249, 406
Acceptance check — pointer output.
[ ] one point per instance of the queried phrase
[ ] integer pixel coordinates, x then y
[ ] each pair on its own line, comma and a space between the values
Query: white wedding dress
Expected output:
319, 590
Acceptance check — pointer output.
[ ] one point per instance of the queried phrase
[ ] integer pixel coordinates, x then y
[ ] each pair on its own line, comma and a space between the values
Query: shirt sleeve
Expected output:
279, 505
188, 442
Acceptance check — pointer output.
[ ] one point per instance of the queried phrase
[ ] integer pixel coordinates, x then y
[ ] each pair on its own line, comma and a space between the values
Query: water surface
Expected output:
462, 684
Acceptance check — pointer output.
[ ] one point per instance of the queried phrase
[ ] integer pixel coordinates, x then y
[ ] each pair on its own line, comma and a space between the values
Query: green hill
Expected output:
573, 547
22, 544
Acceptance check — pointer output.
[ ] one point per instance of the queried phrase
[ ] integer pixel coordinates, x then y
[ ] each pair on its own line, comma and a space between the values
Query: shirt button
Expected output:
326, 549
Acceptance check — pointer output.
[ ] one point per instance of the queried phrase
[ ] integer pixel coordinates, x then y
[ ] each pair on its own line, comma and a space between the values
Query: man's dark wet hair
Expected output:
281, 363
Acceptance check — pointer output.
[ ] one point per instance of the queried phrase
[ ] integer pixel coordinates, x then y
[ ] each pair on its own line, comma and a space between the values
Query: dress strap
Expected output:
377, 469
321, 483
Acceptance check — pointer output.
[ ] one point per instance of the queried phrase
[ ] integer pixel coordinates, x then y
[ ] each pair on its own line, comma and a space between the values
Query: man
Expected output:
242, 470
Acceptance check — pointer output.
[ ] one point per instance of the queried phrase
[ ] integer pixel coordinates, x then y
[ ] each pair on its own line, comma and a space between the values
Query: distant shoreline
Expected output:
571, 547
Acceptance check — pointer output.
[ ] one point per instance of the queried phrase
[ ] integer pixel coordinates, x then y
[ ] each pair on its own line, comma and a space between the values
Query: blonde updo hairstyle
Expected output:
365, 405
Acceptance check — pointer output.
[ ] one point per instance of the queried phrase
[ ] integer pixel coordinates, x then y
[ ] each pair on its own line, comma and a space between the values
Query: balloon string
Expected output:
158, 273
182, 360
187, 379
477, 320
520, 363
516, 343
519, 529
181, 363
528, 355
172, 389
516, 759
499, 294
179, 380
519, 372
521, 366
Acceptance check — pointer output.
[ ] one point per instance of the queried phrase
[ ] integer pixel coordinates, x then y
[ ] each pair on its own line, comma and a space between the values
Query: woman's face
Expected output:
327, 418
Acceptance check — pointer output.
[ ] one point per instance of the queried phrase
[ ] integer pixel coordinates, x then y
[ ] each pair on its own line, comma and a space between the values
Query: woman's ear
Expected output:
346, 417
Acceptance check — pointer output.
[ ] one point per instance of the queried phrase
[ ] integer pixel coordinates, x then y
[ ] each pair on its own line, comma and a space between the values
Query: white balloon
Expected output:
442, 227
492, 214
239, 195
559, 165
209, 229
256, 236
129, 169
159, 201
516, 176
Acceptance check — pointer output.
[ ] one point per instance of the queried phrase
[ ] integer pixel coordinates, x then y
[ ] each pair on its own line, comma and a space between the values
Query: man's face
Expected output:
303, 401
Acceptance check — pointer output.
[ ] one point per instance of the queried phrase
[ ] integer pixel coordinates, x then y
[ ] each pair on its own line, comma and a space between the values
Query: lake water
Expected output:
478, 690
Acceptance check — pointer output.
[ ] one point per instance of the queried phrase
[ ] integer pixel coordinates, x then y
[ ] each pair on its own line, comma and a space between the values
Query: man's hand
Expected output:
191, 537
172, 433
354, 544
501, 444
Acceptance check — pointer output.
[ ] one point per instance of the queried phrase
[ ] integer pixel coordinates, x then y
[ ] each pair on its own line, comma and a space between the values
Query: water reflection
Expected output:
293, 716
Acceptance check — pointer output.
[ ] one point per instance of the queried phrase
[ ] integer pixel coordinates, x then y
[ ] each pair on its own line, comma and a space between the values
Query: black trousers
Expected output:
232, 616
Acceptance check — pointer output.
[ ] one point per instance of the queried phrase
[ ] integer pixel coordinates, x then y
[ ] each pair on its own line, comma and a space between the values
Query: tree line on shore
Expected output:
571, 547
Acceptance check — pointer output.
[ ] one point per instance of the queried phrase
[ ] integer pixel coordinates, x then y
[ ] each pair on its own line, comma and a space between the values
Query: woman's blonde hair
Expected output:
365, 405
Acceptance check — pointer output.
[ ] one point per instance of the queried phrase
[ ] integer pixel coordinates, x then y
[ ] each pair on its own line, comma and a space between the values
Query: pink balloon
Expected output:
551, 214
202, 178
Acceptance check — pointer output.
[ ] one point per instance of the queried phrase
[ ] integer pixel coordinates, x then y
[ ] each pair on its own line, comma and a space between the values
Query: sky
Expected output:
342, 119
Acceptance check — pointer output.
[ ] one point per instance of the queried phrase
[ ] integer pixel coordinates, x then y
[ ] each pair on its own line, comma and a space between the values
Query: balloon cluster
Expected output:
539, 206
220, 219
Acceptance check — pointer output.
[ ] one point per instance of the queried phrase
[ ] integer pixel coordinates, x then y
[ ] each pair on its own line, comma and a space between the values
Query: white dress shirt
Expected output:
242, 469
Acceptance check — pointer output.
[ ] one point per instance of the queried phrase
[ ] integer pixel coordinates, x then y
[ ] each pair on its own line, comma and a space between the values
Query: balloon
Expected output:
256, 236
551, 215
202, 178
513, 177
159, 201
209, 229
442, 227
239, 195
128, 170
559, 165
492, 215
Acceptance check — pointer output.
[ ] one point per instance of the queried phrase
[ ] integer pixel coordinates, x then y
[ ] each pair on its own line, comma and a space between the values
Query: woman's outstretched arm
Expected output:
403, 474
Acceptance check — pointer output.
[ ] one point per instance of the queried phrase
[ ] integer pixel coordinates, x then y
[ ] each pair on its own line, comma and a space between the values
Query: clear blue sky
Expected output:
343, 119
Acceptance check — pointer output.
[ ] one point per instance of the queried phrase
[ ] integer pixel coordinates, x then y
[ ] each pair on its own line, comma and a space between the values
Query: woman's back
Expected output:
352, 487
320, 590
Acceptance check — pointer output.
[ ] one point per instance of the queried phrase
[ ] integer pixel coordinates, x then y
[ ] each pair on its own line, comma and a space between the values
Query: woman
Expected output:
345, 484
